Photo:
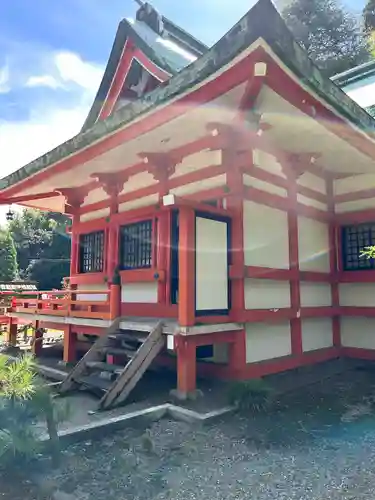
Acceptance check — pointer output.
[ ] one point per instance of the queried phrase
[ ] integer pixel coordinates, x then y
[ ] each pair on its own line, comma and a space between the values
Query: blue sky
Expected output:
52, 56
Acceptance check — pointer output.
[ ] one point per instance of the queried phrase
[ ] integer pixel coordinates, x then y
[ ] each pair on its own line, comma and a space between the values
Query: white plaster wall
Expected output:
248, 180
139, 203
198, 161
357, 294
313, 182
358, 332
93, 297
265, 236
267, 341
352, 184
266, 294
315, 294
313, 245
267, 162
211, 261
317, 333
139, 292
353, 206
98, 214
202, 185
310, 202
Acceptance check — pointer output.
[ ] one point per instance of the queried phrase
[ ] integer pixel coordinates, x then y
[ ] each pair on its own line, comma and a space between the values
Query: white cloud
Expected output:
48, 125
43, 81
4, 80
72, 69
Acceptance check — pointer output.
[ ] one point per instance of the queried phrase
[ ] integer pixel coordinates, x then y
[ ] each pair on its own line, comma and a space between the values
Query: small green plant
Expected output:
254, 395
24, 399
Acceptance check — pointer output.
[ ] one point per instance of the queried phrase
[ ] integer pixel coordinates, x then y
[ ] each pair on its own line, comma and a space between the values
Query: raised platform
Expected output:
170, 326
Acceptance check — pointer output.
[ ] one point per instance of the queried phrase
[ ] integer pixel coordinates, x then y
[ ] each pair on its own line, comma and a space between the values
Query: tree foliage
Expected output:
369, 15
331, 36
8, 257
24, 399
43, 247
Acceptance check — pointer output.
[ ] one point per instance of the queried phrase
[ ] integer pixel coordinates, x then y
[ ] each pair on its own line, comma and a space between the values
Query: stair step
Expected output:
136, 337
102, 366
120, 351
95, 382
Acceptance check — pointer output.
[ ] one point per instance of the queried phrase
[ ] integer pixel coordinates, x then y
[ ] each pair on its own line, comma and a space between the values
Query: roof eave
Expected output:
242, 35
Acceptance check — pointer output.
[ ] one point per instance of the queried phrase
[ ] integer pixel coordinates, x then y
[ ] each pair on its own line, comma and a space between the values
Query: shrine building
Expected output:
220, 199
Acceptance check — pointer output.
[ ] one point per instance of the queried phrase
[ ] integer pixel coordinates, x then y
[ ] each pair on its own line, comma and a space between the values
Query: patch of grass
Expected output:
250, 395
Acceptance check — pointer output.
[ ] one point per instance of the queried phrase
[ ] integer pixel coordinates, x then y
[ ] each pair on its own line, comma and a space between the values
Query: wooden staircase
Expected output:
114, 382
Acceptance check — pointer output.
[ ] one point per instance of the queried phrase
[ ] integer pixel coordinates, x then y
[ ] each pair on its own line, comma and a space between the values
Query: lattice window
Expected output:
353, 240
91, 252
136, 245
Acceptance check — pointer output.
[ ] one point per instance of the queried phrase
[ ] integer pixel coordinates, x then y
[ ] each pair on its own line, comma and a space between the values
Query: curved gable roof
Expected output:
171, 52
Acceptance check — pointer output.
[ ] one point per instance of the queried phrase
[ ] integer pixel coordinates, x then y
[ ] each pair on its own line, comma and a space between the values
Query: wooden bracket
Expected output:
161, 165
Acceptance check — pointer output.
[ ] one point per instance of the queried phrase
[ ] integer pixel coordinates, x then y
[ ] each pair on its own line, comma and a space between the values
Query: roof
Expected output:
354, 75
171, 52
247, 31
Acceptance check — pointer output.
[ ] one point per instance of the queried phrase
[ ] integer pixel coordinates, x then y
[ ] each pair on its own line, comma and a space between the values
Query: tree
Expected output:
43, 246
8, 257
331, 36
369, 15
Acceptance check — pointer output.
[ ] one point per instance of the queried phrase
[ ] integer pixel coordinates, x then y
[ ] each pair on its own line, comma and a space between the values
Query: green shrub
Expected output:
24, 399
254, 395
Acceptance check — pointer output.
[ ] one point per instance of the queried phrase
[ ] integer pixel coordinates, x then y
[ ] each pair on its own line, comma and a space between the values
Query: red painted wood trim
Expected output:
118, 79
334, 264
275, 201
357, 217
186, 296
368, 312
262, 368
363, 194
293, 242
268, 315
157, 72
356, 276
359, 353
89, 226
316, 276
277, 180
88, 279
163, 243
207, 320
142, 276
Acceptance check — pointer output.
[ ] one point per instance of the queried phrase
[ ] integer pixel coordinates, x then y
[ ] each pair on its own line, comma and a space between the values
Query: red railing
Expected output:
66, 303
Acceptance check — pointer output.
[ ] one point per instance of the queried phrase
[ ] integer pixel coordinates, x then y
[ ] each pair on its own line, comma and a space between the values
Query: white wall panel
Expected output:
267, 341
317, 333
266, 242
313, 245
266, 294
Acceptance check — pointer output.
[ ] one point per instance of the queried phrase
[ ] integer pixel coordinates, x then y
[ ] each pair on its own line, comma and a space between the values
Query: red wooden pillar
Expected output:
70, 345
186, 290
162, 253
295, 293
74, 250
333, 261
115, 301
186, 368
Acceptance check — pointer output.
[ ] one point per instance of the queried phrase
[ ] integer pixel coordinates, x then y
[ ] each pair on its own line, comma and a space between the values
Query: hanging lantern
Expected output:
9, 215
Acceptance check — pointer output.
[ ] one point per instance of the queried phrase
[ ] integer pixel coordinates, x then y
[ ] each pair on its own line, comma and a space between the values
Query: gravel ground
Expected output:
318, 443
